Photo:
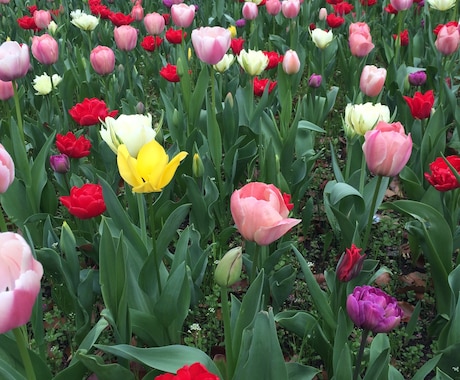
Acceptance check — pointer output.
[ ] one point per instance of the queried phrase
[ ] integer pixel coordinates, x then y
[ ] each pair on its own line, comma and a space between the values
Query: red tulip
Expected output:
84, 202
72, 146
421, 104
441, 177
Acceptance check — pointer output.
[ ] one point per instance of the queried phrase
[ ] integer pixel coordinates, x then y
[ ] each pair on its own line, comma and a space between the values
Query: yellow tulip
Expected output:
151, 171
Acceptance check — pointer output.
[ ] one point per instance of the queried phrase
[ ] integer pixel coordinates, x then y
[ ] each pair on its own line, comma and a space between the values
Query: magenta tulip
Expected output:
14, 60
125, 37
6, 169
102, 60
154, 23
6, 90
211, 43
372, 80
387, 148
261, 213
448, 40
182, 15
45, 49
20, 276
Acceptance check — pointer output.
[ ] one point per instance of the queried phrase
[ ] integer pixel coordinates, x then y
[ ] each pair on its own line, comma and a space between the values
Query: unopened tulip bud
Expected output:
52, 27
140, 108
315, 80
418, 78
322, 14
60, 163
197, 166
291, 62
228, 270
229, 99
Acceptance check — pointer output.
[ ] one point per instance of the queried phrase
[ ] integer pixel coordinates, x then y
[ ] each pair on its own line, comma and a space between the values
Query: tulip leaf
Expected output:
104, 371
426, 369
379, 358
297, 371
7, 372
341, 350
166, 358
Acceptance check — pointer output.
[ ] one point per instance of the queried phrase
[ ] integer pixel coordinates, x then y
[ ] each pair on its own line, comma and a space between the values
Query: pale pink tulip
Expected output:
6, 90
322, 14
14, 60
290, 8
45, 49
137, 12
211, 43
448, 40
250, 10
42, 18
182, 15
20, 276
6, 169
260, 213
291, 62
154, 23
372, 80
360, 39
387, 148
102, 60
273, 7
125, 37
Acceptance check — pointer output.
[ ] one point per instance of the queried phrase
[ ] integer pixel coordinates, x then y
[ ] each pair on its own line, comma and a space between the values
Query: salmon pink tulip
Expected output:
211, 43
154, 23
360, 39
372, 80
291, 62
448, 40
42, 18
125, 37
260, 213
102, 60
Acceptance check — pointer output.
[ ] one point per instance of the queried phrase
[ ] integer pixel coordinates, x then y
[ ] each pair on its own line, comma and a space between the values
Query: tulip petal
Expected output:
127, 166
170, 170
151, 161
267, 235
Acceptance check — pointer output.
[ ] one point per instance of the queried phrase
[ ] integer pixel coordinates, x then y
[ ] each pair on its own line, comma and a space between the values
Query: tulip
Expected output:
197, 166
44, 84
360, 118
84, 21
291, 62
387, 149
225, 63
14, 60
273, 7
250, 10
315, 80
418, 78
151, 171
350, 264
441, 177
228, 270
360, 39
211, 43
260, 213
20, 276
154, 23
448, 40
102, 60
372, 309
322, 14
401, 5
60, 163
442, 5
6, 90
253, 61
6, 170
372, 80
52, 27
321, 38
4, 1
125, 37
421, 104
290, 8
42, 18
137, 12
134, 131
45, 49
182, 15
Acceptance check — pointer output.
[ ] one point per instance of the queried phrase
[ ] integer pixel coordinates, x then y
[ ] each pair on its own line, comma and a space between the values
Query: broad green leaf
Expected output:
104, 371
297, 371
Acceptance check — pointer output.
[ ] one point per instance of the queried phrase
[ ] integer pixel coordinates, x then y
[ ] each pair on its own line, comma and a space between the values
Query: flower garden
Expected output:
229, 189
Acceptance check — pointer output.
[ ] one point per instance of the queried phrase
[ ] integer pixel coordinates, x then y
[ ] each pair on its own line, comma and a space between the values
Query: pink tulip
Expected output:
250, 10
125, 37
154, 23
322, 14
448, 40
45, 49
182, 15
211, 43
42, 18
401, 5
290, 8
6, 170
102, 60
360, 39
137, 12
291, 62
14, 60
20, 276
6, 90
4, 1
387, 148
372, 80
273, 7
260, 213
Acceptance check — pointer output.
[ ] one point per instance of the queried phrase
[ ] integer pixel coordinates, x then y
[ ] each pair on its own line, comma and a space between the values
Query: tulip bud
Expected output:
60, 163
197, 166
229, 99
140, 108
291, 62
418, 78
322, 14
315, 80
350, 264
228, 270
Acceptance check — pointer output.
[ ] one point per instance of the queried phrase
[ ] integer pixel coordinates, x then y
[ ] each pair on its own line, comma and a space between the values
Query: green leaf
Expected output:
379, 358
169, 228
297, 371
341, 352
104, 371
7, 372
426, 369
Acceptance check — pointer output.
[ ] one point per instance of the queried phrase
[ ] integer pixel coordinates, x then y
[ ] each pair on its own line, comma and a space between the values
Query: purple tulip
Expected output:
315, 80
372, 309
418, 78
60, 163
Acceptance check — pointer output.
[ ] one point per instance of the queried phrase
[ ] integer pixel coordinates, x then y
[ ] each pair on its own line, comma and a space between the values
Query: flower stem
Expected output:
18, 111
371, 212
141, 210
227, 333
360, 354
20, 336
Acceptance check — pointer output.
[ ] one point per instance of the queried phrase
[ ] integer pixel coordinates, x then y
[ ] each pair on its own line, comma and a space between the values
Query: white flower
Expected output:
441, 5
321, 38
360, 118
132, 130
253, 61
224, 63
42, 83
195, 327
52, 27
84, 21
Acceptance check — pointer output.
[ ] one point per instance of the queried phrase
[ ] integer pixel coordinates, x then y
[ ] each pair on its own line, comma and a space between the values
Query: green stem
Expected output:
141, 210
20, 336
371, 212
360, 354
255, 260
3, 225
18, 111
227, 333
362, 174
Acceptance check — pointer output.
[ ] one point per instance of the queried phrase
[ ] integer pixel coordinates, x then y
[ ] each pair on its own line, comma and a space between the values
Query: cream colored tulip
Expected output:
225, 63
42, 83
442, 5
84, 21
360, 118
321, 38
253, 61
